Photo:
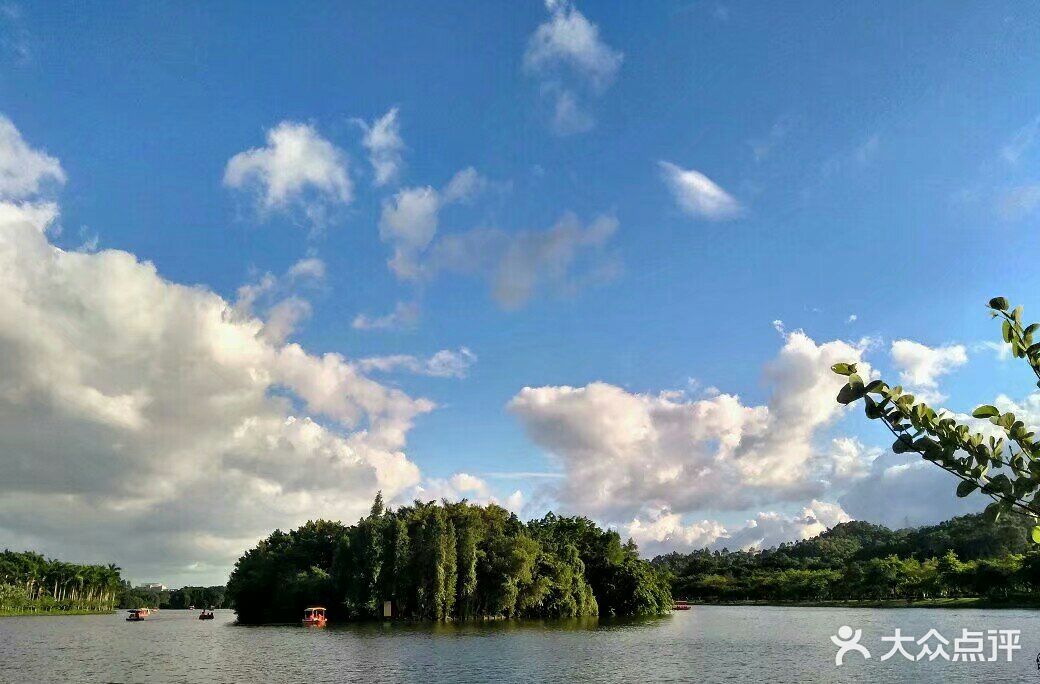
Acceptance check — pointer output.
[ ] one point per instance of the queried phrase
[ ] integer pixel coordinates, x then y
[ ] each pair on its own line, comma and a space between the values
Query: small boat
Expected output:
681, 605
314, 617
206, 614
136, 614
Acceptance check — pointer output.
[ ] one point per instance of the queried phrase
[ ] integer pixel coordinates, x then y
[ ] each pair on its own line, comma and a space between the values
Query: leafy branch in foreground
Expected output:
1005, 468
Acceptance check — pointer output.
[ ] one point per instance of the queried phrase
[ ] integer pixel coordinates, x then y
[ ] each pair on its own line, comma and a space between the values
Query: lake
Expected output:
706, 644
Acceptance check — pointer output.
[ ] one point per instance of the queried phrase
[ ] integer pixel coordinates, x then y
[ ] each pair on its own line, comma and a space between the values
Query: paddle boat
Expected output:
136, 614
681, 605
314, 617
206, 614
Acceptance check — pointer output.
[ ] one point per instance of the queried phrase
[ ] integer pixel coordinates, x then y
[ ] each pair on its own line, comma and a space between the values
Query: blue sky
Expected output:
880, 163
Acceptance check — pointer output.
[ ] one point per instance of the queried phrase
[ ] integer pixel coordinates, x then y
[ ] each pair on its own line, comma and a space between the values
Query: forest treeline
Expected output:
962, 557
31, 583
446, 561
185, 597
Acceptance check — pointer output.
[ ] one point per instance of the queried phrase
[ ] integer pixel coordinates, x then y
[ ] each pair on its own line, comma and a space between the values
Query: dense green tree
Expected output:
31, 583
446, 561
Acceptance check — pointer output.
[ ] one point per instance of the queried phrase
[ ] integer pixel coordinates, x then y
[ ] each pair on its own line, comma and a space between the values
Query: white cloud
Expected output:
24, 171
409, 222
906, 491
298, 167
666, 532
697, 195
569, 40
625, 453
852, 318
132, 407
1021, 143
311, 267
569, 116
409, 219
1019, 202
444, 364
850, 459
282, 316
41, 216
384, 144
464, 186
920, 366
463, 486
567, 53
405, 315
112, 376
519, 265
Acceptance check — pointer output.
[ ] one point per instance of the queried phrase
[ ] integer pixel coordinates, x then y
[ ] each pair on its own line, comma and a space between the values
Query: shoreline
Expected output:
949, 603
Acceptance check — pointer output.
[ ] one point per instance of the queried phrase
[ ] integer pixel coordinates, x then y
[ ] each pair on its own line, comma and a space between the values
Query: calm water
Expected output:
706, 644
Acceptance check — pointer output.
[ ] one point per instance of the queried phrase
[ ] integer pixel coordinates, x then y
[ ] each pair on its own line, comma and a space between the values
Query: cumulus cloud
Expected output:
921, 366
24, 171
697, 195
667, 532
385, 146
624, 453
444, 364
568, 55
297, 168
133, 407
404, 315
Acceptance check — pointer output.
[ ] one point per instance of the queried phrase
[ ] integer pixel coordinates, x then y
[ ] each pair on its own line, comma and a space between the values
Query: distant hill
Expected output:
963, 556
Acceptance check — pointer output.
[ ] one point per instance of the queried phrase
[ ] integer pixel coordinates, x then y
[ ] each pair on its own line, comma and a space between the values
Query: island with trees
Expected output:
446, 561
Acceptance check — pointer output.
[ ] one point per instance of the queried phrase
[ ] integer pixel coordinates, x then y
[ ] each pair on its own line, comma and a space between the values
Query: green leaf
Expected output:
985, 411
844, 368
1006, 331
992, 513
998, 303
902, 445
966, 487
847, 395
1035, 534
856, 382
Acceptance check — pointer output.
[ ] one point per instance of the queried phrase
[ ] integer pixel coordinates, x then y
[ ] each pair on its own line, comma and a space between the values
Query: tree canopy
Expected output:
30, 583
962, 557
447, 561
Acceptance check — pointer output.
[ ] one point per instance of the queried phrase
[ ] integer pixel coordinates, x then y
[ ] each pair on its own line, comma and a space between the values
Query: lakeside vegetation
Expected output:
446, 561
31, 584
963, 561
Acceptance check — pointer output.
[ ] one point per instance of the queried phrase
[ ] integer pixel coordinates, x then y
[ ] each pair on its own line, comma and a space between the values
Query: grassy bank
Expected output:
1018, 602
22, 613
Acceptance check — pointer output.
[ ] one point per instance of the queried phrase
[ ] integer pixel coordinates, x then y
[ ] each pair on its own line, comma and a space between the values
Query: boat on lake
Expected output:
681, 605
206, 614
137, 614
314, 617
